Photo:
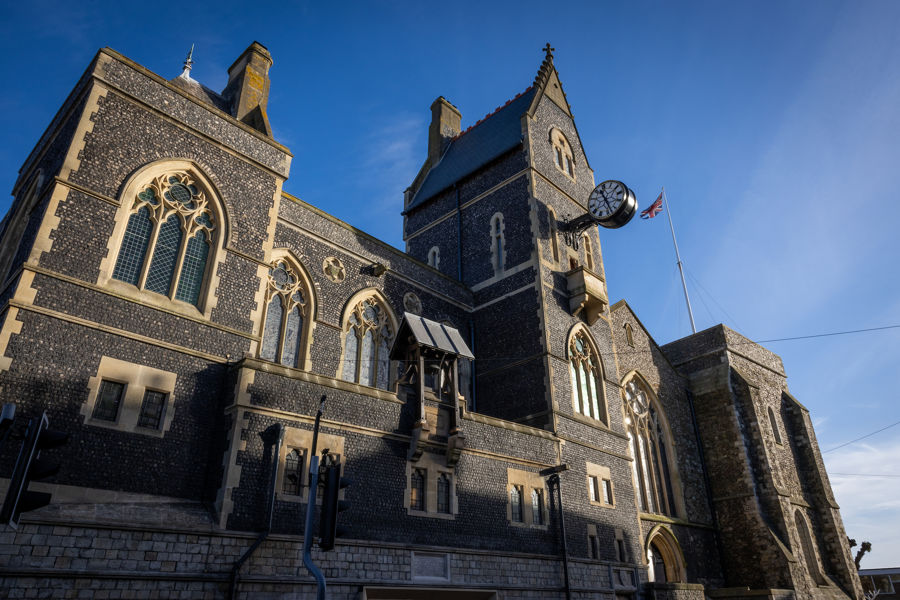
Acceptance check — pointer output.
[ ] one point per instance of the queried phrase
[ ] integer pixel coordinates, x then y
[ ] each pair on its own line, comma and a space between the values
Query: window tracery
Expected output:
367, 344
585, 375
167, 241
287, 311
650, 449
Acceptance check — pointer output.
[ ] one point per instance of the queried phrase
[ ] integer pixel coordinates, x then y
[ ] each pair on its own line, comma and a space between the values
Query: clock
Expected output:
612, 204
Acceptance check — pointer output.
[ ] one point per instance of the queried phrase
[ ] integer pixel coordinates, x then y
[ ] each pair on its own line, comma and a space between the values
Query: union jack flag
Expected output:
654, 209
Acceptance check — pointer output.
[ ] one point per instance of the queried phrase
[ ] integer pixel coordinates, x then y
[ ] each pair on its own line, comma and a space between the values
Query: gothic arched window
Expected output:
562, 153
515, 504
434, 257
443, 493
585, 375
287, 312
368, 335
650, 448
167, 242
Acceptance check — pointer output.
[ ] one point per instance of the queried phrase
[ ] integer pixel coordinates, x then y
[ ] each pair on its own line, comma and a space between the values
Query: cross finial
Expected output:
188, 64
549, 51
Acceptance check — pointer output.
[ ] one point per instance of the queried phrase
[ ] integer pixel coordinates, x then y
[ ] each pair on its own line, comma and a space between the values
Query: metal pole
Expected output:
311, 509
680, 265
554, 479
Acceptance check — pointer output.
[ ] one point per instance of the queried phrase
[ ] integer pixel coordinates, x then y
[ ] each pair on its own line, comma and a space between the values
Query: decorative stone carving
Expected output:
412, 303
334, 269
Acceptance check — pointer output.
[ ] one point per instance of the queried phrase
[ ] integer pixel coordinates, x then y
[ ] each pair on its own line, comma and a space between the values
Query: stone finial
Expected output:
188, 64
543, 74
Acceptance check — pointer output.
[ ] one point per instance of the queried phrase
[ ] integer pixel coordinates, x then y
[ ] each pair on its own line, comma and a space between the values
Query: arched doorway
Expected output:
665, 561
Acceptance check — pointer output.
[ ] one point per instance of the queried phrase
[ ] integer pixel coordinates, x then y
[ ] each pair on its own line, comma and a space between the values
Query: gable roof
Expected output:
488, 139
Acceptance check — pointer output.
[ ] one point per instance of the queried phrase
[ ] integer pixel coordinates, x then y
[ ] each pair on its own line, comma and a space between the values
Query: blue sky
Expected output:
774, 127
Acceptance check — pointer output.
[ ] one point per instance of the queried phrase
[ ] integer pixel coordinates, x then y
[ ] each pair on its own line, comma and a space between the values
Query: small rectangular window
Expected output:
621, 555
443, 493
152, 409
515, 502
607, 492
417, 489
108, 400
594, 488
595, 546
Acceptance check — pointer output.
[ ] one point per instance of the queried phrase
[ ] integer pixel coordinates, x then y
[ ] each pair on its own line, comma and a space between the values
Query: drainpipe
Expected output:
273, 436
472, 364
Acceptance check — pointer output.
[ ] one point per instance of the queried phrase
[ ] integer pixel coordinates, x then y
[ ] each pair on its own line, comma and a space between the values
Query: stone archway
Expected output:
665, 559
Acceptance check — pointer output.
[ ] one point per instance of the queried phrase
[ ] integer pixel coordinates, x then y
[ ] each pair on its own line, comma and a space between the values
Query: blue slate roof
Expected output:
497, 133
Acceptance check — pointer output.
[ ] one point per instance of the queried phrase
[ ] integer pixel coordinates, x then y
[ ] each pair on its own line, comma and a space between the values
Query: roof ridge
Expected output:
491, 114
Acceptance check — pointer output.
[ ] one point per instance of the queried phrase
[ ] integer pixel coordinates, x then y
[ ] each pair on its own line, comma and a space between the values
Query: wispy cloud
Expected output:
866, 483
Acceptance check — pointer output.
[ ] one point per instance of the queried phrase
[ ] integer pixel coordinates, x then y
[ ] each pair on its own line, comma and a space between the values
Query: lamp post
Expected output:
552, 475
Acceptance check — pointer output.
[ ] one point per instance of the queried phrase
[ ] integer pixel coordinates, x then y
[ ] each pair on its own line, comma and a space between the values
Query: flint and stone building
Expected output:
166, 303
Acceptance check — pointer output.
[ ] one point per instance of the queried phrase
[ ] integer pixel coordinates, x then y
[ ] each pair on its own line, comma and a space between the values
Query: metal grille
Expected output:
134, 247
108, 400
192, 270
162, 267
152, 409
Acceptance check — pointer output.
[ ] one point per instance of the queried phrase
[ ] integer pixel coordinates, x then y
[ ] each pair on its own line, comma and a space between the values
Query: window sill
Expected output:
432, 515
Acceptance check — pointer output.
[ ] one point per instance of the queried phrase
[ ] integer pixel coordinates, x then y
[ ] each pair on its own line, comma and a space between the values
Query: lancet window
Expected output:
367, 344
287, 311
166, 245
650, 449
584, 372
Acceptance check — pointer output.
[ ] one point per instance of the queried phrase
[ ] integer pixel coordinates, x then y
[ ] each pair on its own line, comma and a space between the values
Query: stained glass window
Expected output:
367, 344
152, 409
283, 326
170, 226
108, 400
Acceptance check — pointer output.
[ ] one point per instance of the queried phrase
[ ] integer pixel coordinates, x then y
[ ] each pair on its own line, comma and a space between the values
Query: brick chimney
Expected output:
248, 87
444, 127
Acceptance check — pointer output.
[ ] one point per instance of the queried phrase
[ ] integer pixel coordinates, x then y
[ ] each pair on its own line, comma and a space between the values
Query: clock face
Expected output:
612, 204
606, 199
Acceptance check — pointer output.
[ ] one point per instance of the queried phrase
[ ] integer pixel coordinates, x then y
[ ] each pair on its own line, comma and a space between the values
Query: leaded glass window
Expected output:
443, 493
537, 506
584, 373
152, 409
367, 342
515, 503
648, 441
109, 398
287, 308
417, 489
293, 473
166, 245
497, 243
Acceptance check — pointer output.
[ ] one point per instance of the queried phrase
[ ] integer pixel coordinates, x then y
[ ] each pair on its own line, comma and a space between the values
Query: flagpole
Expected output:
680, 264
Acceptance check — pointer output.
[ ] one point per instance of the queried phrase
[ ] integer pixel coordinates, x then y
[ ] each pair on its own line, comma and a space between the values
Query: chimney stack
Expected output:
444, 127
248, 87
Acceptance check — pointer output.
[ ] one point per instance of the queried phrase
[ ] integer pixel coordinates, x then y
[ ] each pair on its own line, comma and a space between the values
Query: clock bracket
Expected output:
573, 229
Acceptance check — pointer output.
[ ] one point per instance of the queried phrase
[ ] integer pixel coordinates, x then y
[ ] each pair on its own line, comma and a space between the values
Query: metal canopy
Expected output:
431, 334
